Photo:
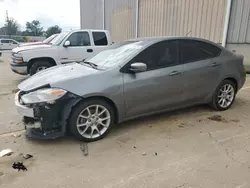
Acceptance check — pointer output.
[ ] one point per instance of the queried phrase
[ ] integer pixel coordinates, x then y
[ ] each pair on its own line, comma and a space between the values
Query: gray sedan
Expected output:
131, 79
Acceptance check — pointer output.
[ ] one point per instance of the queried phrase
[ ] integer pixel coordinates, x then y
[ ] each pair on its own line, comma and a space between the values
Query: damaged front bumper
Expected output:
46, 120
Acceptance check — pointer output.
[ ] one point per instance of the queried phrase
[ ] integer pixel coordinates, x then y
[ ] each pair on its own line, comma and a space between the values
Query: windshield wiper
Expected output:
93, 65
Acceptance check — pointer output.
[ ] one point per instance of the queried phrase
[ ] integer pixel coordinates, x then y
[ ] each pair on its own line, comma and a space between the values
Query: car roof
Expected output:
163, 38
95, 30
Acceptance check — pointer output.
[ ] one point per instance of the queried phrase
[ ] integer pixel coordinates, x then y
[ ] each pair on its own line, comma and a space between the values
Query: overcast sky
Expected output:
65, 13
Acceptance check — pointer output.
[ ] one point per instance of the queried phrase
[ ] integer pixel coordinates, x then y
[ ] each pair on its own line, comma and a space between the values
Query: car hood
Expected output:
57, 75
30, 47
31, 43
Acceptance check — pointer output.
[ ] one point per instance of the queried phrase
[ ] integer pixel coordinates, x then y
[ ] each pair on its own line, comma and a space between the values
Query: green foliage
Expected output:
10, 27
53, 30
33, 28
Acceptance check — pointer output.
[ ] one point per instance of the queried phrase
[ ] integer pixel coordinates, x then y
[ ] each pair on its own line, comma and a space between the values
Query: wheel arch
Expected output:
33, 60
106, 99
232, 79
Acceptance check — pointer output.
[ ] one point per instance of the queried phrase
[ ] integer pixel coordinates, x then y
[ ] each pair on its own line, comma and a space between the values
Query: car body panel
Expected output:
56, 75
199, 78
143, 93
88, 82
46, 41
155, 90
30, 52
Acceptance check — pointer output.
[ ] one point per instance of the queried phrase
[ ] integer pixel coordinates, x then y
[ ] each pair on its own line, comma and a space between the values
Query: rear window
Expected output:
192, 50
100, 38
209, 48
5, 41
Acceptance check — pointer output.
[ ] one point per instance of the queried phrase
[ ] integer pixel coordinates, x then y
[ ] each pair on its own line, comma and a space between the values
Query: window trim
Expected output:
5, 40
79, 32
100, 32
125, 68
13, 41
180, 51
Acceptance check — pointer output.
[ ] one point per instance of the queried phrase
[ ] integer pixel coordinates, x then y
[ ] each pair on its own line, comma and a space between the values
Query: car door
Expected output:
13, 44
80, 47
5, 44
160, 86
8, 45
201, 71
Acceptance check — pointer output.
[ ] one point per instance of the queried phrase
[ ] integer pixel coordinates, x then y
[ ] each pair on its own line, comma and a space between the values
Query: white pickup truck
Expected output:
67, 47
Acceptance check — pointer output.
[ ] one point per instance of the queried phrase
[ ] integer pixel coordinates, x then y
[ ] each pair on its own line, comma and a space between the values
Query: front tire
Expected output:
224, 95
91, 120
39, 66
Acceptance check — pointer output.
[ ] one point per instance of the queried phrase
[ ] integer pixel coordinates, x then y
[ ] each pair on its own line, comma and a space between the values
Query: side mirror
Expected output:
138, 67
67, 43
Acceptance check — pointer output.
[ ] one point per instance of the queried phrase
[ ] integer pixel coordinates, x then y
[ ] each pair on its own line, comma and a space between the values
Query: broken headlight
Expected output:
48, 95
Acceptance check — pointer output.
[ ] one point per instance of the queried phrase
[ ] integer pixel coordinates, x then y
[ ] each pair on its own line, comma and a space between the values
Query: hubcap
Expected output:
226, 96
93, 121
41, 68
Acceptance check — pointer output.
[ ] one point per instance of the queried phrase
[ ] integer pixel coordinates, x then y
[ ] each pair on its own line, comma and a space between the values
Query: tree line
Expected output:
33, 28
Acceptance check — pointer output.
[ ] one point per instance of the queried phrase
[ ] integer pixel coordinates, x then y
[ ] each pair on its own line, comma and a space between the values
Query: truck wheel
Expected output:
39, 66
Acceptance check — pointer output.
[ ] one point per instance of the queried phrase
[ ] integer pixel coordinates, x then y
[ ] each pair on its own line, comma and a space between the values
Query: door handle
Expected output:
174, 73
89, 50
214, 64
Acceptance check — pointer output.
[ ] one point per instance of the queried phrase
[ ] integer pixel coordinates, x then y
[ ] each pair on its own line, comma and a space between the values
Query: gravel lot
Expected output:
179, 149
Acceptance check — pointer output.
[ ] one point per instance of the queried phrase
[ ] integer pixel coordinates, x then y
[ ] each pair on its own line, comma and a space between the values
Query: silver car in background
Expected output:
131, 79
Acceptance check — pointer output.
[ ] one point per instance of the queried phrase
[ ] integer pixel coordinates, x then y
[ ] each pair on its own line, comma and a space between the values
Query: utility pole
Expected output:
8, 24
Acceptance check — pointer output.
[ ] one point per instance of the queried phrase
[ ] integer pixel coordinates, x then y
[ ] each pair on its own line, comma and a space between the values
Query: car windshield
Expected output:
116, 53
59, 38
49, 39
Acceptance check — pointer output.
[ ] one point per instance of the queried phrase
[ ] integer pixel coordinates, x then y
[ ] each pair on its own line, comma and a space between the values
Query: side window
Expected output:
209, 48
13, 42
100, 38
5, 41
162, 54
192, 50
79, 39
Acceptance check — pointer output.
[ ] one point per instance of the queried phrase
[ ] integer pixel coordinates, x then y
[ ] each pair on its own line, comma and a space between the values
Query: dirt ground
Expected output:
180, 149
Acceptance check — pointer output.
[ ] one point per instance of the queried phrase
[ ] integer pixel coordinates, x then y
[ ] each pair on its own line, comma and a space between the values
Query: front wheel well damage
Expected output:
55, 117
98, 97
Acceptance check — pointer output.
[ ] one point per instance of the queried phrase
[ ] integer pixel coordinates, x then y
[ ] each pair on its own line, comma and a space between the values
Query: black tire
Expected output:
215, 100
38, 64
72, 122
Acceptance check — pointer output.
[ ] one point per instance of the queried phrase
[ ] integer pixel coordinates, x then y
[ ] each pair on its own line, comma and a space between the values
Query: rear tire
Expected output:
88, 122
39, 66
224, 96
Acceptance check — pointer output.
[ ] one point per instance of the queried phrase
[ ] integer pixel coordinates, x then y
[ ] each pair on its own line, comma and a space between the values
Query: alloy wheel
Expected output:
226, 95
93, 121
